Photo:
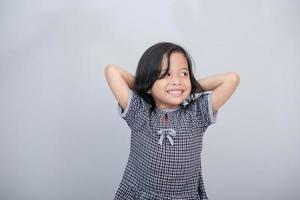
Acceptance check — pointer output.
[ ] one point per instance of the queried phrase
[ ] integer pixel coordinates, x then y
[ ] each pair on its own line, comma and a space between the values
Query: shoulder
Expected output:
135, 104
197, 98
136, 111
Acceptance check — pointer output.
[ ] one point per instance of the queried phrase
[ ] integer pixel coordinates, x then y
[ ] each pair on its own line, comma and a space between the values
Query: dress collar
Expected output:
168, 109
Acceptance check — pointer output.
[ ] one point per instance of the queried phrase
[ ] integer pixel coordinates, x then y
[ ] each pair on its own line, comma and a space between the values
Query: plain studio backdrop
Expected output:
61, 137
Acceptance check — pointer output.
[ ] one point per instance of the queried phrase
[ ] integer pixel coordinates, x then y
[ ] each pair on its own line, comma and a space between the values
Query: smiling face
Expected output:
170, 91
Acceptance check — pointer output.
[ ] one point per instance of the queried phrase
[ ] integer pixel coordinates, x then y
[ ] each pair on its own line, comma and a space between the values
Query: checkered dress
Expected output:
164, 162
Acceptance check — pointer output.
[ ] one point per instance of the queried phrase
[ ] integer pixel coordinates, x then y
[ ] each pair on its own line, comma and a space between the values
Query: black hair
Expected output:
149, 70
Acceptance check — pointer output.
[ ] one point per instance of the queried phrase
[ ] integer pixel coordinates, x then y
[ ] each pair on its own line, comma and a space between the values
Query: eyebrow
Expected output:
185, 68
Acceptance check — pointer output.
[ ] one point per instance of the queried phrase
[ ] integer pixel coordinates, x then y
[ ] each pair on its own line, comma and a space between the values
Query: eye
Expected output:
162, 74
185, 73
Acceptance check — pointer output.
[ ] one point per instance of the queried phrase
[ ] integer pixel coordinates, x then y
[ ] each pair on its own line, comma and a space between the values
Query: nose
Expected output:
175, 80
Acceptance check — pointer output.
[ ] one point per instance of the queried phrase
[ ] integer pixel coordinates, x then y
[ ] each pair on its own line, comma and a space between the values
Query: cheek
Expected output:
159, 85
188, 85
157, 88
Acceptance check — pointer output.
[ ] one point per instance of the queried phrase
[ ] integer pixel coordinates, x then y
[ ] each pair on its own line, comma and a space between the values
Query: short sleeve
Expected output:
202, 108
135, 107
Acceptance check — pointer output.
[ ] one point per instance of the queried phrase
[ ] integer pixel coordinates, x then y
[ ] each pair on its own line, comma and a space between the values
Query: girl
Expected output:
168, 111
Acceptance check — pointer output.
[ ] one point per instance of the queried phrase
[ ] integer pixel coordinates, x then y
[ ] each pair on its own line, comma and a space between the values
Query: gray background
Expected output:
61, 137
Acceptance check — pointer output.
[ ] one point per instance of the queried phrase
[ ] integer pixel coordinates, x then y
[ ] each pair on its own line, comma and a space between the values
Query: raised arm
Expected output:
119, 81
222, 86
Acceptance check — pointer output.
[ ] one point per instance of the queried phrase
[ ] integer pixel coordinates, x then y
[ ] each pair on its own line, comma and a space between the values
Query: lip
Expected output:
175, 92
175, 89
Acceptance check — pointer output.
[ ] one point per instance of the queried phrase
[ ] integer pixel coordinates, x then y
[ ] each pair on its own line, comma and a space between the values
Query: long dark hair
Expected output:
149, 69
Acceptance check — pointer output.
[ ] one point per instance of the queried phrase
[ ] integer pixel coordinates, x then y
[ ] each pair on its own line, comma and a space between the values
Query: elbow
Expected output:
108, 70
234, 76
107, 67
110, 67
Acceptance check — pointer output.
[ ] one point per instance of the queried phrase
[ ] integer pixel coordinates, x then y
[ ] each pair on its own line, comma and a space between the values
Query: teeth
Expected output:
176, 92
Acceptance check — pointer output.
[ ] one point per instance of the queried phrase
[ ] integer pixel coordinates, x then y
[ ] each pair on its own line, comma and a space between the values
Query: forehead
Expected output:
177, 61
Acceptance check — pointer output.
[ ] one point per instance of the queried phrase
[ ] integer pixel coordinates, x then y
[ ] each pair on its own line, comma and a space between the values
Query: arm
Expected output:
119, 81
222, 86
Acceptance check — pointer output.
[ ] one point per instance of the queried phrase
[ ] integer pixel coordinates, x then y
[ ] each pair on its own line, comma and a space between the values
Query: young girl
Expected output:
168, 111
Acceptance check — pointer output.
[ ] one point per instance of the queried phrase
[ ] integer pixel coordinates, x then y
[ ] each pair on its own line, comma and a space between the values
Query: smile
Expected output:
175, 92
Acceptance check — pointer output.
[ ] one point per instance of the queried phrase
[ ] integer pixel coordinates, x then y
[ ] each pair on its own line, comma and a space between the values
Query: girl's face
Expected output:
170, 91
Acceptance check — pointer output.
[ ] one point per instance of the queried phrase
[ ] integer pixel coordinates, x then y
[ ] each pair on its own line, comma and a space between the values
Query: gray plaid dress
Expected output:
164, 162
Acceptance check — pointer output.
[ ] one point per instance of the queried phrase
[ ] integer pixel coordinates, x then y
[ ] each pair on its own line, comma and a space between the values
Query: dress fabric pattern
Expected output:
164, 161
